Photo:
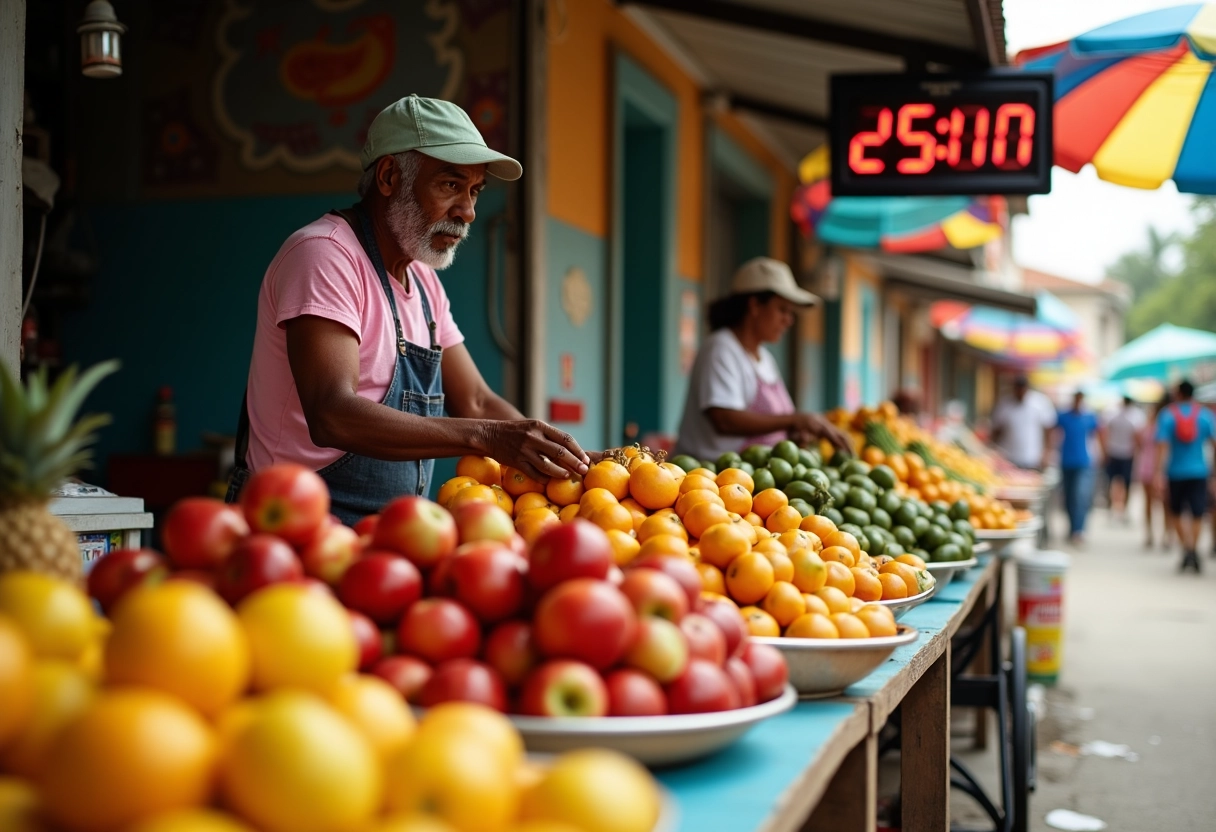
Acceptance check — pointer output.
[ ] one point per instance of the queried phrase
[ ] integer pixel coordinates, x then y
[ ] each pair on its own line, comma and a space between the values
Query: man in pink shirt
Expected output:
356, 356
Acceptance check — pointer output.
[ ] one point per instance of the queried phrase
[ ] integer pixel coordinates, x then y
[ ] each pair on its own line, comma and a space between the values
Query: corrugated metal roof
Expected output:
939, 21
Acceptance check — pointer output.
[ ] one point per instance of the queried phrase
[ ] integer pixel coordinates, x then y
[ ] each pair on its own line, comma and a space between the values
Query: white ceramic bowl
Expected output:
899, 607
946, 571
821, 667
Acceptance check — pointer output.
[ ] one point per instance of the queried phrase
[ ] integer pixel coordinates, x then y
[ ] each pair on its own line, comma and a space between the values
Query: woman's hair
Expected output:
732, 309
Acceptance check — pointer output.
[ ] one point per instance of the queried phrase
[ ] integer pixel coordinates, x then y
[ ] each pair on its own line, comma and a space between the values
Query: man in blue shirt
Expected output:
1182, 428
1075, 427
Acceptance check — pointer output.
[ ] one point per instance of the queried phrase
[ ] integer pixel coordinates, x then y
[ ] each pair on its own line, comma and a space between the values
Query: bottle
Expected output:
164, 424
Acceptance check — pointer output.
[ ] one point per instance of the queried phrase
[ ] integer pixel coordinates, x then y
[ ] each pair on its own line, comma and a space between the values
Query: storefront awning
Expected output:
934, 279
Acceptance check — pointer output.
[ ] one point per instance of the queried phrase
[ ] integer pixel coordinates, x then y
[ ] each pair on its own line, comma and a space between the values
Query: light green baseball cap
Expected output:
436, 128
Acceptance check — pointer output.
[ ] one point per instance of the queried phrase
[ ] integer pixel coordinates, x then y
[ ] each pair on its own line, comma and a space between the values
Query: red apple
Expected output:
616, 575
705, 639
518, 545
483, 521
660, 649
633, 693
654, 594
745, 683
682, 570
287, 500
571, 550
122, 570
511, 650
199, 576
703, 687
368, 638
381, 586
327, 556
439, 580
257, 561
407, 674
768, 669
488, 578
564, 688
587, 620
726, 615
313, 585
366, 526
200, 533
464, 680
415, 527
438, 629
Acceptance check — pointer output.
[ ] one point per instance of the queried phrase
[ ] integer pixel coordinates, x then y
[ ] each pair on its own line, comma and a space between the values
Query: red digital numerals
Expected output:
960, 140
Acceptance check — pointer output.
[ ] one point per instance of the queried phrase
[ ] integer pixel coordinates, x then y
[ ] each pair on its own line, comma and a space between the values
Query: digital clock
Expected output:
905, 135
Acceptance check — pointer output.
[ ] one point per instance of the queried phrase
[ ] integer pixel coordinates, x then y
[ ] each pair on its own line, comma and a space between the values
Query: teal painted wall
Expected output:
832, 363
570, 247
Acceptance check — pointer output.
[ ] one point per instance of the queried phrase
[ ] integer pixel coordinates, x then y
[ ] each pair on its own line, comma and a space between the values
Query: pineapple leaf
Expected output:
12, 409
63, 408
35, 391
57, 461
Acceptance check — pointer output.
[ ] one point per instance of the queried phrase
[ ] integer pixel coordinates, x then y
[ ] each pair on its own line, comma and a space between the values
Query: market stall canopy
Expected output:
933, 278
1050, 335
1137, 98
896, 224
1165, 353
771, 59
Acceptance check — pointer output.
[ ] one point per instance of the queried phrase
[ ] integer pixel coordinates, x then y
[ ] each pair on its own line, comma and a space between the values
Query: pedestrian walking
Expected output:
1021, 426
1156, 501
1075, 427
1182, 429
1121, 439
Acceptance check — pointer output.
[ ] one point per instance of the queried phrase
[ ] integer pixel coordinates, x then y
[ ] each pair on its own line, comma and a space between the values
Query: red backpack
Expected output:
1186, 428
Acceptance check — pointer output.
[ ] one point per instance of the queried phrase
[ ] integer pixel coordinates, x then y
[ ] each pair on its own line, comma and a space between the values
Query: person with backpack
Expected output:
1076, 427
1182, 428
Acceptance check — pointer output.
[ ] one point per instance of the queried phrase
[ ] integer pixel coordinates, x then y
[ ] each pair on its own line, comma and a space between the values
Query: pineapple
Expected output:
41, 444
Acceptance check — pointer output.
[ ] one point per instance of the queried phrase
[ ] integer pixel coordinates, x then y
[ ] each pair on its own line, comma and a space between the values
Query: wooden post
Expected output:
12, 111
535, 278
851, 802
925, 755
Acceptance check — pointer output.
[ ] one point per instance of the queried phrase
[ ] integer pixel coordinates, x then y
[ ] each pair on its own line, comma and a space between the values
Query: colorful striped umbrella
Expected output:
1164, 353
1137, 98
896, 224
1052, 335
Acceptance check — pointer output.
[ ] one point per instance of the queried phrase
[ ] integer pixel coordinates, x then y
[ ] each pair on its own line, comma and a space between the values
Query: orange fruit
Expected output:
914, 461
298, 638
899, 465
930, 492
759, 623
783, 519
61, 691
595, 498
624, 546
375, 708
812, 625
639, 514
770, 545
783, 567
532, 501
810, 572
702, 472
711, 578
783, 602
661, 524
703, 515
530, 524
816, 604
16, 681
594, 790
564, 492
841, 577
615, 516
873, 455
850, 626
666, 545
867, 587
893, 586
878, 620
610, 476
495, 733
768, 501
686, 501
696, 482
855, 604
722, 543
749, 578
299, 765
676, 470
911, 560
752, 533
838, 553
180, 638
754, 519
907, 573
191, 820
516, 482
652, 486
472, 494
639, 457
735, 476
817, 525
449, 489
481, 468
54, 617
795, 539
569, 514
736, 498
839, 538
129, 755
504, 499
836, 600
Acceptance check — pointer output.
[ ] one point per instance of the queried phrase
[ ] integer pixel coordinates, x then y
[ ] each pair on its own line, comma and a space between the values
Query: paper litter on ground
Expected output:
1074, 821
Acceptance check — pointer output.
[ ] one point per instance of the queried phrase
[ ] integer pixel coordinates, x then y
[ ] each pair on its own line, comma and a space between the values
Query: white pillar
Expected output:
12, 83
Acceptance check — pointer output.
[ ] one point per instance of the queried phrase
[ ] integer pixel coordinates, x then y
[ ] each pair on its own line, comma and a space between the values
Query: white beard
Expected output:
414, 236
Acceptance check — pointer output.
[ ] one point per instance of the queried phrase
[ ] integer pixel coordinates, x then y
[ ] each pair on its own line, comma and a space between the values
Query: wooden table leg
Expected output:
850, 803
925, 755
983, 662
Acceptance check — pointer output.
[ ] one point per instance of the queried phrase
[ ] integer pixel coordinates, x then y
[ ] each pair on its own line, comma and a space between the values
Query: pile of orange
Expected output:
754, 549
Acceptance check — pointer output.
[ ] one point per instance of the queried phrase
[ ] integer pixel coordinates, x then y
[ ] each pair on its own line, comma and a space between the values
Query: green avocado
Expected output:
961, 510
879, 517
763, 480
883, 476
834, 515
786, 449
757, 455
782, 471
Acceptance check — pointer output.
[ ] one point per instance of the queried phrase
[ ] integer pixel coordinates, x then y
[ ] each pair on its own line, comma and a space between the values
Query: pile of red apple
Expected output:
456, 607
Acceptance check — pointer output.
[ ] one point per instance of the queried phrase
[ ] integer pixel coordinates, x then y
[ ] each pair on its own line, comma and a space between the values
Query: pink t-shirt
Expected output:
322, 270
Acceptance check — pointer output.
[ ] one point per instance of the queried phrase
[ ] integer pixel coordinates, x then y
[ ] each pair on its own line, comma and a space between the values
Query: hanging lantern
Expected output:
100, 41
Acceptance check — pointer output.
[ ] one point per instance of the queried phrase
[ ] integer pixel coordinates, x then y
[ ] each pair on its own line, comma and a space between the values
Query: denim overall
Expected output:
360, 485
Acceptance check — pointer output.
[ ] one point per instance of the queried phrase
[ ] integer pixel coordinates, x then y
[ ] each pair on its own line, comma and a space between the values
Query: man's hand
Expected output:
819, 427
539, 450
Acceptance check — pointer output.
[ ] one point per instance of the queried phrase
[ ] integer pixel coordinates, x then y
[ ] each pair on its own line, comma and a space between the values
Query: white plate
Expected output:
981, 547
900, 606
1006, 534
821, 667
652, 740
946, 571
